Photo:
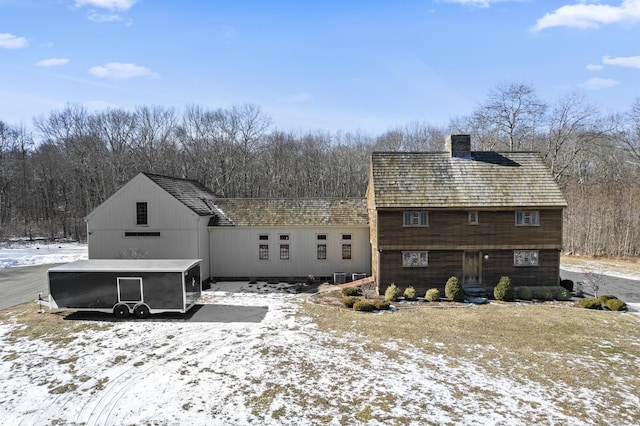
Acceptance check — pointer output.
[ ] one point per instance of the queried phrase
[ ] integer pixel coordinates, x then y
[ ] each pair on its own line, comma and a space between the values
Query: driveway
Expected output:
22, 284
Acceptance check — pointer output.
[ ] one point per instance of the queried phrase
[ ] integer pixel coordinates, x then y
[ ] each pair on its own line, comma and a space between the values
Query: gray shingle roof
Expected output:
486, 180
191, 193
294, 212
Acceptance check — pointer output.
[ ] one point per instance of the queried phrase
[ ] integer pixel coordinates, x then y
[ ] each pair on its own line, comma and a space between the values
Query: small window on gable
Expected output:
346, 236
525, 258
142, 213
322, 237
527, 218
284, 237
263, 237
473, 218
416, 218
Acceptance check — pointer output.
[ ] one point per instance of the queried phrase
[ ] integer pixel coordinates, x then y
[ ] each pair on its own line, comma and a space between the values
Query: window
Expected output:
284, 251
415, 259
141, 213
142, 234
527, 218
473, 218
416, 218
525, 258
346, 236
263, 252
322, 237
263, 237
284, 237
346, 251
322, 251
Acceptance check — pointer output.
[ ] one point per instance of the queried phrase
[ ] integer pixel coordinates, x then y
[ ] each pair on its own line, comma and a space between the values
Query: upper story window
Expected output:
322, 237
346, 236
473, 218
527, 218
263, 237
416, 218
142, 213
284, 237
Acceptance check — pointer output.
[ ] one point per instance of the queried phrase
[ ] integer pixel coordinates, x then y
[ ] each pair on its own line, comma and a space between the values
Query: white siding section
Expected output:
183, 234
234, 251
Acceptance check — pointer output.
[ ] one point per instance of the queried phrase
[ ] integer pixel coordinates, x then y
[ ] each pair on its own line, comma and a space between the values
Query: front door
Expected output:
471, 268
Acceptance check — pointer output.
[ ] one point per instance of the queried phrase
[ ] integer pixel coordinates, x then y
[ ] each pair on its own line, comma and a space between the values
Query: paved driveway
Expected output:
22, 284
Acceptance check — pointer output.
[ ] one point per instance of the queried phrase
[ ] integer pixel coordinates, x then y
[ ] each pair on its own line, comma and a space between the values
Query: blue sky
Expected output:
333, 65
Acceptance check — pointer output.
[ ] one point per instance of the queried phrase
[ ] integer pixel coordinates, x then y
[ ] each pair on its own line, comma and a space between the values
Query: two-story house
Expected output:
475, 215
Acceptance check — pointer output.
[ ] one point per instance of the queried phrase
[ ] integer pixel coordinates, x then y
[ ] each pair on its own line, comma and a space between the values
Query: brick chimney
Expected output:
458, 145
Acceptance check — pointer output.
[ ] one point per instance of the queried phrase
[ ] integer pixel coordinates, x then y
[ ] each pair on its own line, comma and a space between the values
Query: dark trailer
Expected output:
126, 286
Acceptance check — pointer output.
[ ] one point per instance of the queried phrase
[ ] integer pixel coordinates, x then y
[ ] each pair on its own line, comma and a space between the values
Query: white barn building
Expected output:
161, 217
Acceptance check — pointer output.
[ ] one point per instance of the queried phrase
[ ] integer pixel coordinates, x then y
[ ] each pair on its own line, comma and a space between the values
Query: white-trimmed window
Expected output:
416, 218
321, 237
525, 258
527, 218
346, 251
263, 237
284, 237
473, 218
284, 251
322, 252
415, 259
142, 213
263, 252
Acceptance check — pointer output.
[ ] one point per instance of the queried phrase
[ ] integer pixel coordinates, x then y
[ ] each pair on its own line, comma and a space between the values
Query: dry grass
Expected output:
542, 343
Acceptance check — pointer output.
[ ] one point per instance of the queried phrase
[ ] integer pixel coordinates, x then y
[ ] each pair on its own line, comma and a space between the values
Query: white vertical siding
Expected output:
234, 251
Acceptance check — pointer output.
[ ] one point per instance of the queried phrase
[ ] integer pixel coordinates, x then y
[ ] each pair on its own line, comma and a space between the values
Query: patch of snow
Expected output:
21, 253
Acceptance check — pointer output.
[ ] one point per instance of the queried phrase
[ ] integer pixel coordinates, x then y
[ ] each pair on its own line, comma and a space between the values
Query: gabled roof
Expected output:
485, 180
191, 193
293, 212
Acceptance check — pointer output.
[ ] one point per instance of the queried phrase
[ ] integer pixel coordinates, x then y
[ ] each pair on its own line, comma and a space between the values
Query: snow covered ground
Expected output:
21, 253
282, 370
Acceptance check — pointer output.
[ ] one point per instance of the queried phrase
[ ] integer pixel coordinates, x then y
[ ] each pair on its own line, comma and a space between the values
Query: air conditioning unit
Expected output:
339, 277
358, 276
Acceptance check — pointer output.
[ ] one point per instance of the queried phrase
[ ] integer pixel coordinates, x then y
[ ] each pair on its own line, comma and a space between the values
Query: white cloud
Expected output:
103, 17
599, 83
593, 67
479, 3
10, 41
120, 71
107, 4
300, 97
52, 62
585, 16
628, 61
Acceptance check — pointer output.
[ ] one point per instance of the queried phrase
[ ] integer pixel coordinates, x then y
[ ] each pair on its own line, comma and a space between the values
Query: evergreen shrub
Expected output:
351, 291
525, 293
410, 293
364, 306
563, 294
453, 290
616, 305
504, 290
432, 295
590, 303
349, 301
392, 293
381, 305
605, 298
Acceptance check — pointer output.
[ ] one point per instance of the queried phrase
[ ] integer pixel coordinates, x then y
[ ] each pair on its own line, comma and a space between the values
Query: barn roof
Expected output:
482, 180
293, 212
191, 193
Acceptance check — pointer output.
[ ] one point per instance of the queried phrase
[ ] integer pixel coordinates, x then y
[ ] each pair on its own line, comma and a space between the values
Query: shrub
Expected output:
410, 293
605, 298
381, 305
351, 291
504, 290
563, 294
432, 295
590, 303
616, 305
311, 280
392, 293
542, 293
364, 306
349, 301
525, 293
568, 284
453, 290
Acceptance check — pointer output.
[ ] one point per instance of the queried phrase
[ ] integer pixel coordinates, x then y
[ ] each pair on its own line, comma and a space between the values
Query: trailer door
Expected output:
130, 289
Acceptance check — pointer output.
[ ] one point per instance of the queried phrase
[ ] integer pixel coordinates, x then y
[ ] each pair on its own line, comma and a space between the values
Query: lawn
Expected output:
311, 361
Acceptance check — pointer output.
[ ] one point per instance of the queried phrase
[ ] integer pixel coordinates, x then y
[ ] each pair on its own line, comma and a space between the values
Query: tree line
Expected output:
71, 160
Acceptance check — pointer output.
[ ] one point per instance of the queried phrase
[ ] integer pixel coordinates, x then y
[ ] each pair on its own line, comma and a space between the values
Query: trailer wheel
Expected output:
121, 311
141, 311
